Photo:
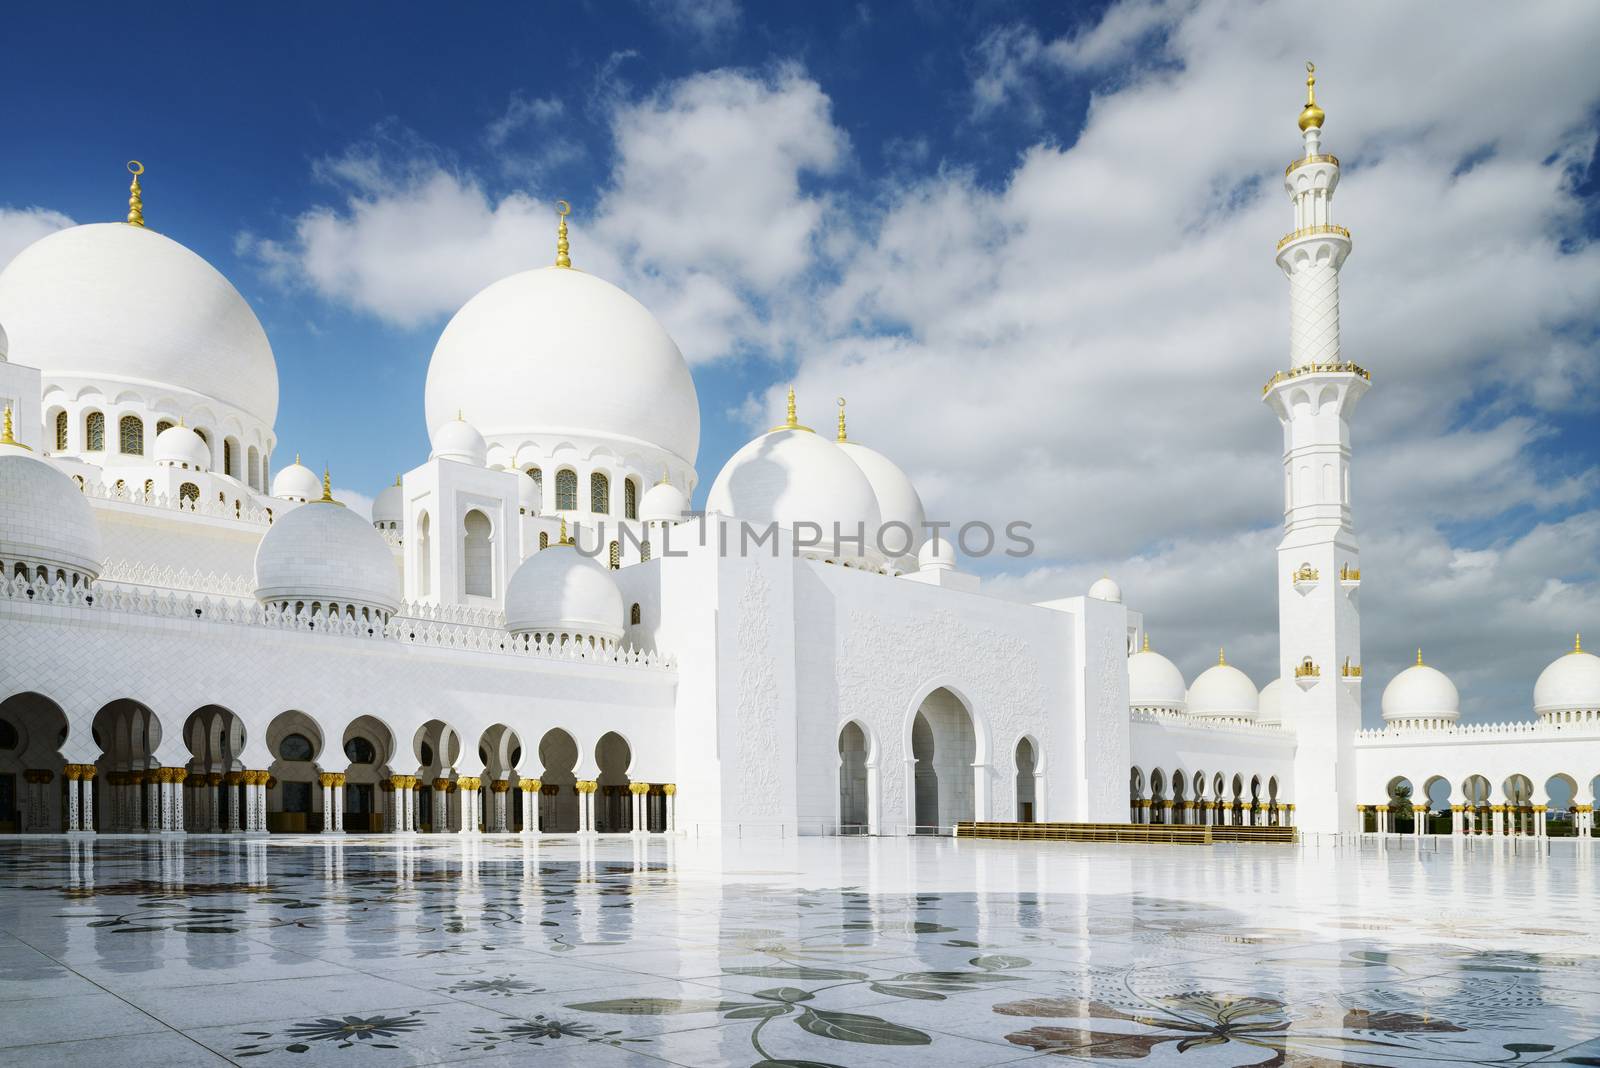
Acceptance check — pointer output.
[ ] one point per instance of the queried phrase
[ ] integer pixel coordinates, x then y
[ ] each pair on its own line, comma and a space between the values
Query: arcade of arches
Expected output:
1516, 807
1201, 799
358, 780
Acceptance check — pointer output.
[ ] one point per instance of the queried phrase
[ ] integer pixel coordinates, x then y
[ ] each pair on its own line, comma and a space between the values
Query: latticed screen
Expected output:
567, 491
599, 493
189, 492
61, 431
131, 433
616, 556
630, 500
94, 432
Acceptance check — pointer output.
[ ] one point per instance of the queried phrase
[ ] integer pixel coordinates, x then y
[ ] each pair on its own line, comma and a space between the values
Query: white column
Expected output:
214, 803
152, 801
327, 805
338, 804
441, 810
672, 808
86, 816
72, 798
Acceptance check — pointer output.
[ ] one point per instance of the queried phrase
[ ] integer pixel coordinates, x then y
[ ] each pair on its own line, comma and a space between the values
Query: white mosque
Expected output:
534, 635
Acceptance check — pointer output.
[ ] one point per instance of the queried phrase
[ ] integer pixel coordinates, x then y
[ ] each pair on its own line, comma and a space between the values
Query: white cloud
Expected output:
21, 227
1083, 344
704, 21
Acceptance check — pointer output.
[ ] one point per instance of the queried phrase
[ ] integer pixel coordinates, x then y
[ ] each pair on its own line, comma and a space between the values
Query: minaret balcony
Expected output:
1349, 577
1351, 673
1307, 674
1325, 230
1304, 161
1331, 367
1304, 579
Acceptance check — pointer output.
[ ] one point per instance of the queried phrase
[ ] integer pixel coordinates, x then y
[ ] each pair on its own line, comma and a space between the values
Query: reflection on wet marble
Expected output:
811, 952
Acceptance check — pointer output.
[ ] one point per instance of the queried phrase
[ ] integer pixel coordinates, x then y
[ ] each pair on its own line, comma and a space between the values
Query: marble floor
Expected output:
803, 953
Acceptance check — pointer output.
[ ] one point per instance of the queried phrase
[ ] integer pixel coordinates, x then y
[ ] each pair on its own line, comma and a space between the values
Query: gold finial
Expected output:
1311, 115
791, 422
5, 432
327, 485
297, 459
1419, 656
1145, 648
397, 480
563, 250
664, 480
842, 435
135, 194
563, 539
1577, 639
1222, 658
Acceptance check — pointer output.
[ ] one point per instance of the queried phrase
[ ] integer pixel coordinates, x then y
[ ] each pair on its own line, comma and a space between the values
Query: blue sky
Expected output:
1032, 244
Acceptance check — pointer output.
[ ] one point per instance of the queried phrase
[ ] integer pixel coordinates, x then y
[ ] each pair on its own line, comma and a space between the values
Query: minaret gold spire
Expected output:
6, 432
1311, 115
1222, 658
563, 250
665, 479
791, 421
1145, 648
327, 486
135, 195
1419, 656
842, 435
1577, 639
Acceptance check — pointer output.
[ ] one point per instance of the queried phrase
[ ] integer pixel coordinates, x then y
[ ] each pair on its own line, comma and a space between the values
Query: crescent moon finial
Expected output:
563, 249
563, 208
135, 168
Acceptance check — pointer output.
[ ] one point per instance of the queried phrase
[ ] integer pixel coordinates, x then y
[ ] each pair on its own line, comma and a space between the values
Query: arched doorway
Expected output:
215, 737
32, 729
944, 746
1026, 760
613, 809
128, 735
1158, 796
294, 799
558, 798
368, 748
500, 750
853, 815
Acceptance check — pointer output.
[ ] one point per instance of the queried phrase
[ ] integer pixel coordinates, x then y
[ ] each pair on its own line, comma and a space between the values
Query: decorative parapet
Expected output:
242, 512
131, 573
1164, 717
1331, 367
412, 629
1437, 730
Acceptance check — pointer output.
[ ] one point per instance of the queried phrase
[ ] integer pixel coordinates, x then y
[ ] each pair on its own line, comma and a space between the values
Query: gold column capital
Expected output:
670, 788
529, 786
441, 783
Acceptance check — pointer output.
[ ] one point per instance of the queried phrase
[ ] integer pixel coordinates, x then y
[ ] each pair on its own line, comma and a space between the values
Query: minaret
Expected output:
1319, 571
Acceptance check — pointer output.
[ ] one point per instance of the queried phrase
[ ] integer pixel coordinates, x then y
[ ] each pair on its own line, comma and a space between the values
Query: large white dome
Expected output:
561, 591
127, 306
1570, 684
45, 519
898, 500
1223, 691
1155, 682
555, 351
324, 552
1421, 692
789, 476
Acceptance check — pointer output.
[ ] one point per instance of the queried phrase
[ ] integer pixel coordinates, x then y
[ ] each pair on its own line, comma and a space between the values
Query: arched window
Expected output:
200, 433
544, 540
599, 493
633, 616
164, 425
121, 487
538, 480
567, 491
360, 751
149, 486
253, 468
630, 499
61, 431
227, 458
616, 556
295, 747
189, 492
424, 557
130, 435
94, 432
477, 557
644, 551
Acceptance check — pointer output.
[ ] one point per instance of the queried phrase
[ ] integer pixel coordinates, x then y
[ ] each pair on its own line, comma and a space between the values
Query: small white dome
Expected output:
1570, 684
1421, 692
1155, 682
1106, 589
663, 503
124, 304
460, 441
1223, 691
552, 352
938, 553
389, 505
1269, 708
324, 552
297, 483
561, 591
180, 445
45, 520
529, 499
898, 501
790, 476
